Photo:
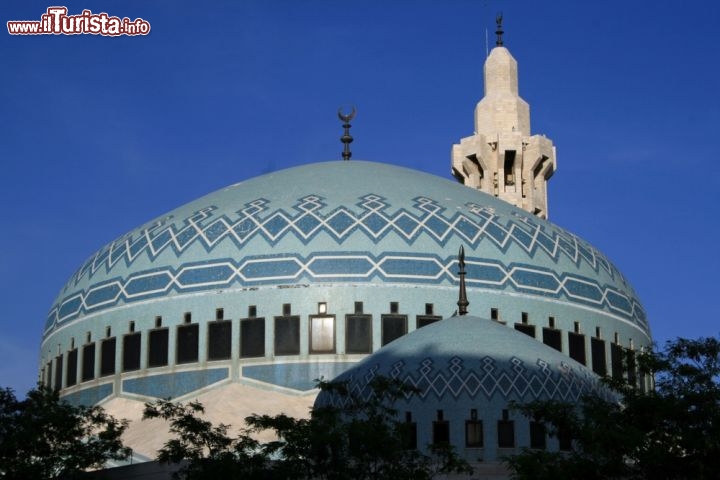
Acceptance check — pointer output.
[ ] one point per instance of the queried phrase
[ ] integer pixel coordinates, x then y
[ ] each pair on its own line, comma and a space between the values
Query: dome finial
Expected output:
346, 139
462, 301
499, 32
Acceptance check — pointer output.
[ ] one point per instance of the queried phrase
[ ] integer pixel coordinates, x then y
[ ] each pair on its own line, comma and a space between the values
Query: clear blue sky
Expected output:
100, 134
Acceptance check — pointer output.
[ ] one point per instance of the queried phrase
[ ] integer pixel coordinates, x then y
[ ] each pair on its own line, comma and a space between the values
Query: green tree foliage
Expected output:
42, 437
208, 450
361, 440
669, 432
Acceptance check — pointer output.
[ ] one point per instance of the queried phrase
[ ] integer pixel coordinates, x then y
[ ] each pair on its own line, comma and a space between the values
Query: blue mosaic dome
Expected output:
474, 360
358, 222
283, 278
465, 364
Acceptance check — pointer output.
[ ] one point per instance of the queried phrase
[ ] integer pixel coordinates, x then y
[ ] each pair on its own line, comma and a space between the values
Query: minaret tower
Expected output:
502, 158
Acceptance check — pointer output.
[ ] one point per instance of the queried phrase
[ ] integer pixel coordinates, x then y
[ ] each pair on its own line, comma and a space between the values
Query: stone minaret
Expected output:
502, 158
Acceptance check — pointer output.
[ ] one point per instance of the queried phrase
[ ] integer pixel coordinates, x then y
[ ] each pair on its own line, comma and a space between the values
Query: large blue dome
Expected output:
257, 289
355, 223
241, 298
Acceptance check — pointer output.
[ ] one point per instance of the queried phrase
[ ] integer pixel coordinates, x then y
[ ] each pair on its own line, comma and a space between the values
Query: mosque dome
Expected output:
354, 223
340, 258
469, 371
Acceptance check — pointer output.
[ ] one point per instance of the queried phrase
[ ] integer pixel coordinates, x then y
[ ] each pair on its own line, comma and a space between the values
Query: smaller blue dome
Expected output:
473, 359
470, 370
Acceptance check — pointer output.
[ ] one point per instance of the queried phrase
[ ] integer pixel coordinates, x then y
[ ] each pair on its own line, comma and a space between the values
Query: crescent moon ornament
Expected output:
346, 118
346, 139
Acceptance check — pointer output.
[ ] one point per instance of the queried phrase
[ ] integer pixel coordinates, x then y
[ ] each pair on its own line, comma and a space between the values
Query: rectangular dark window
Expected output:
597, 348
537, 435
358, 333
576, 346
528, 330
219, 340
473, 433
552, 338
72, 363
506, 433
509, 167
107, 356
131, 352
88, 362
393, 326
394, 307
425, 320
322, 334
494, 314
631, 367
219, 314
187, 343
642, 379
441, 432
616, 361
409, 432
252, 337
564, 438
58, 372
287, 335
158, 347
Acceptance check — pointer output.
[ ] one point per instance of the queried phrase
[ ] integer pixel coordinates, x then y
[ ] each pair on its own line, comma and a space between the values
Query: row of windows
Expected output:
358, 340
322, 339
525, 326
577, 349
475, 435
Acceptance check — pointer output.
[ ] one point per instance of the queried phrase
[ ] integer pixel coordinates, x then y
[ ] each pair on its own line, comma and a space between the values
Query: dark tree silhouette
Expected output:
671, 431
362, 440
43, 437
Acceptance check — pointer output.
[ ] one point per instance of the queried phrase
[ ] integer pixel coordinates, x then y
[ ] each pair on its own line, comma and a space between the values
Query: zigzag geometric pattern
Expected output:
346, 266
483, 379
372, 219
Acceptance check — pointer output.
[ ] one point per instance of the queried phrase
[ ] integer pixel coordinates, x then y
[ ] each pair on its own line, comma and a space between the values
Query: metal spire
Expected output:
462, 300
346, 139
499, 32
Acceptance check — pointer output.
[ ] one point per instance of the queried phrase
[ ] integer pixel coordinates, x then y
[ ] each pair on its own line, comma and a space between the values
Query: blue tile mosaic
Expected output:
439, 379
373, 219
356, 266
89, 396
297, 376
173, 385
